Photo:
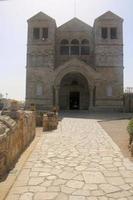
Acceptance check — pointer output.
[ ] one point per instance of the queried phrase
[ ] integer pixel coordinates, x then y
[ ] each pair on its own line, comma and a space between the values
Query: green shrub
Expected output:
130, 127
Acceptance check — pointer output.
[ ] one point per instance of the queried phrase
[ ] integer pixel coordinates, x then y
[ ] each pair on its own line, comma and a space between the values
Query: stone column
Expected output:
91, 107
57, 96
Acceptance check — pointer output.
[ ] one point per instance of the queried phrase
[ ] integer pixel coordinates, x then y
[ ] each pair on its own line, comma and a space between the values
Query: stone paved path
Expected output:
79, 161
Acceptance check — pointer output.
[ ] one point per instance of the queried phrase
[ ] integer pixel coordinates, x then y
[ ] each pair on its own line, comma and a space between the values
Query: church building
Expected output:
75, 66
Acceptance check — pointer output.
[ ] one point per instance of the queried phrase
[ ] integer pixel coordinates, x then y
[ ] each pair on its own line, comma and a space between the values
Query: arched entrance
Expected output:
74, 92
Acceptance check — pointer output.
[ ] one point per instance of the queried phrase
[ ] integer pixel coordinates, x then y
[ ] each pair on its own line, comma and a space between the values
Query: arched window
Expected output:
39, 89
85, 42
64, 41
85, 50
75, 41
109, 91
64, 47
74, 47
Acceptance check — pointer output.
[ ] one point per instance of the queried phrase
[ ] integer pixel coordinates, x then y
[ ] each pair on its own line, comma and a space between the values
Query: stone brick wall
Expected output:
128, 102
14, 138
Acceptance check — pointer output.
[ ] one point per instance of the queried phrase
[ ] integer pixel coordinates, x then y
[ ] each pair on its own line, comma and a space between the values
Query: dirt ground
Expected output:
117, 130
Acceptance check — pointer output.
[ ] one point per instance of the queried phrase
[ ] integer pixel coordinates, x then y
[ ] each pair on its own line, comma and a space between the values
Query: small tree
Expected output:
130, 131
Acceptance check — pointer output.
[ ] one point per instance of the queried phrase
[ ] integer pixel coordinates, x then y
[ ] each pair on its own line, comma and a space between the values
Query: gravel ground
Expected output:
117, 130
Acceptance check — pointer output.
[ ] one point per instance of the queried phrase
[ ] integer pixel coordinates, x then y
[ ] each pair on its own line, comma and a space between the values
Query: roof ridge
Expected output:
72, 19
42, 14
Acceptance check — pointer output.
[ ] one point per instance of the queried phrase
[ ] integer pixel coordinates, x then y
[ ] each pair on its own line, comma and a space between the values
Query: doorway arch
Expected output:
74, 92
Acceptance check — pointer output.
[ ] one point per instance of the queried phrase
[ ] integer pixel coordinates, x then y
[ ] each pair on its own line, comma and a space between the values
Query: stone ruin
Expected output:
17, 130
46, 119
50, 121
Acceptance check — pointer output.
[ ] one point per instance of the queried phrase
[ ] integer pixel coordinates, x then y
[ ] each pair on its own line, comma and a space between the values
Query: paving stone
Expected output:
41, 169
43, 174
72, 164
62, 196
104, 162
102, 198
121, 168
119, 194
126, 173
130, 198
34, 174
26, 196
59, 182
108, 188
115, 180
79, 178
53, 189
92, 198
131, 191
111, 173
75, 184
80, 168
125, 187
19, 190
94, 177
22, 182
46, 183
97, 193
90, 187
123, 198
13, 197
69, 169
67, 175
56, 171
36, 189
67, 190
51, 177
117, 164
36, 181
76, 198
45, 195
109, 166
79, 192
129, 180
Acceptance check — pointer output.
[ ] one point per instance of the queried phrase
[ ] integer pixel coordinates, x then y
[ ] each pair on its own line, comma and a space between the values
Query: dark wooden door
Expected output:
74, 100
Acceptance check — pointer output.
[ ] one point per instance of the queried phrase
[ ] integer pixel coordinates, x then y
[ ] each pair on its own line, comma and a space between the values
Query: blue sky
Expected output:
13, 34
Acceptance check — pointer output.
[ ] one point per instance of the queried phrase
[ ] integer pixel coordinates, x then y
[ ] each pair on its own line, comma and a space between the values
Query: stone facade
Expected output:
75, 66
14, 138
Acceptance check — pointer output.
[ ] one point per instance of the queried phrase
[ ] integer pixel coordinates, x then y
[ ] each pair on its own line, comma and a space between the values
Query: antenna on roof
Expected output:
75, 8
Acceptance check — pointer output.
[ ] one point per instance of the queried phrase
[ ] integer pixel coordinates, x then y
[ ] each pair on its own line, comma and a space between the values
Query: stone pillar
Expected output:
91, 107
14, 110
57, 96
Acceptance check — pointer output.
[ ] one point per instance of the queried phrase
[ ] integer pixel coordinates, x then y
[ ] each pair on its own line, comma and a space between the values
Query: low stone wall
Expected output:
14, 138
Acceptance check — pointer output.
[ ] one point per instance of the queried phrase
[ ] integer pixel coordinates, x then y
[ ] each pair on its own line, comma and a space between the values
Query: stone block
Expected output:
50, 121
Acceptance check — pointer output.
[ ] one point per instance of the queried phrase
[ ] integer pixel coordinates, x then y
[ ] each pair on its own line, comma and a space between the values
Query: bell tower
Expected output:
108, 36
108, 45
40, 61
